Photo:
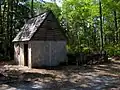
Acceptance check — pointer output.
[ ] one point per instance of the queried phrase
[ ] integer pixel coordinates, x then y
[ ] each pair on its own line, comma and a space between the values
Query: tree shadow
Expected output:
110, 68
38, 81
67, 77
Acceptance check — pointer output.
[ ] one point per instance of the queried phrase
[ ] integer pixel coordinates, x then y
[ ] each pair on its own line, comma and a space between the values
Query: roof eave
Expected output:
24, 40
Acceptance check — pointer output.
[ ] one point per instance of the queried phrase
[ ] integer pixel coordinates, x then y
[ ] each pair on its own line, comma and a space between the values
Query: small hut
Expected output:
41, 42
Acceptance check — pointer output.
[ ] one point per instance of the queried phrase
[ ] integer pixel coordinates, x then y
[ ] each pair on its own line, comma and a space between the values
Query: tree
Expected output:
91, 24
101, 29
11, 17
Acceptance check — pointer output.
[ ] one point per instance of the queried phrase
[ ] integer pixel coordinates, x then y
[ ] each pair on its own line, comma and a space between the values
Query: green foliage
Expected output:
79, 18
12, 18
13, 14
113, 49
87, 50
41, 7
83, 25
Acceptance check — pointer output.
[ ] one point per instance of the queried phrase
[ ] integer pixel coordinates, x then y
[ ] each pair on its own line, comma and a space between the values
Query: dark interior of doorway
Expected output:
26, 54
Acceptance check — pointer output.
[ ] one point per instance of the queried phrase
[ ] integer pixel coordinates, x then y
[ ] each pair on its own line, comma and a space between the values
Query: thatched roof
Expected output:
37, 28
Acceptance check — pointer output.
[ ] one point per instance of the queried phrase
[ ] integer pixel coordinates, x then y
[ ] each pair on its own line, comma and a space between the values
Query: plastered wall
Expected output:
47, 53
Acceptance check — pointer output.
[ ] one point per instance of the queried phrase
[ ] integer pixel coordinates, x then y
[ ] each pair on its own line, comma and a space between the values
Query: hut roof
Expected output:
31, 27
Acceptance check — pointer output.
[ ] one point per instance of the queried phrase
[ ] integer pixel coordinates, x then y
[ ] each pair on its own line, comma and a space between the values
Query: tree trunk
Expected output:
11, 30
116, 27
0, 17
3, 27
101, 30
7, 30
32, 8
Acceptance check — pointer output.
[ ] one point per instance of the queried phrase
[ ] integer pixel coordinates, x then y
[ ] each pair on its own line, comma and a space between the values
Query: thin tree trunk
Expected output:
32, 8
0, 19
7, 30
116, 27
101, 30
3, 27
11, 30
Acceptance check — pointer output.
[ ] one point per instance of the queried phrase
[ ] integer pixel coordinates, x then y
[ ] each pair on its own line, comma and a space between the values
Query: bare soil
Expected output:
96, 77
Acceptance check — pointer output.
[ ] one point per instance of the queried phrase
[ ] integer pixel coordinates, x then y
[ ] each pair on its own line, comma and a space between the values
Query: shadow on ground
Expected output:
97, 77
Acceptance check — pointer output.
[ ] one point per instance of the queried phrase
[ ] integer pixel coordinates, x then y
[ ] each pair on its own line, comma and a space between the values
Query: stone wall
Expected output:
47, 53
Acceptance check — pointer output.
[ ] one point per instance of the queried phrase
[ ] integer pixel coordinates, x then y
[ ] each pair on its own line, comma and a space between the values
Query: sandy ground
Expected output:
96, 77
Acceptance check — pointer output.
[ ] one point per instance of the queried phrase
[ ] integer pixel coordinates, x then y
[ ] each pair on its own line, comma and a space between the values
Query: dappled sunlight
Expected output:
62, 77
113, 69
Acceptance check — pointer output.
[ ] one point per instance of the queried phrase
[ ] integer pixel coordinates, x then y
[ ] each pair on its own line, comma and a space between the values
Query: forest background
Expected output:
90, 25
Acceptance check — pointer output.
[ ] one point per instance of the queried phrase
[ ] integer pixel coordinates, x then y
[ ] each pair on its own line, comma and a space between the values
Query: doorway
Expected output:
26, 54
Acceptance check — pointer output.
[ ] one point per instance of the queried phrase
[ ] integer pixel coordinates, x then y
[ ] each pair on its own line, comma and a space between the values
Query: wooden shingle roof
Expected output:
42, 27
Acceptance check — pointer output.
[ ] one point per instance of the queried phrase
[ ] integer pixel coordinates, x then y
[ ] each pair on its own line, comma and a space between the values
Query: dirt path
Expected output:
98, 77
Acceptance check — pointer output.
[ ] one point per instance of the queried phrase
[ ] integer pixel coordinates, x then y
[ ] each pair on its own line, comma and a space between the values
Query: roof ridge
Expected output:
40, 14
26, 34
32, 26
48, 12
